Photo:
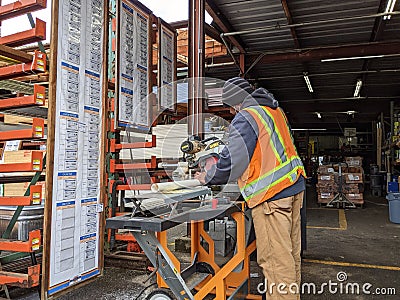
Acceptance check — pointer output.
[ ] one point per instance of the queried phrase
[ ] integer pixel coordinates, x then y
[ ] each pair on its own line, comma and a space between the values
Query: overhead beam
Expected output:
360, 106
223, 23
336, 52
212, 33
332, 52
377, 30
208, 29
180, 24
290, 21
340, 100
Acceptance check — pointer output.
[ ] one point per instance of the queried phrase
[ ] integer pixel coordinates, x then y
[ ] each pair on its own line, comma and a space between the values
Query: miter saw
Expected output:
199, 153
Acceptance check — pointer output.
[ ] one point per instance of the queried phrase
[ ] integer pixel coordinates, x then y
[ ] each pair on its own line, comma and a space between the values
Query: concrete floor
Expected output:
362, 243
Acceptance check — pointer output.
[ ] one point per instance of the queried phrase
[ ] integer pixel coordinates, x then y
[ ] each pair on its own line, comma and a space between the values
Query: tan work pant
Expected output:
278, 240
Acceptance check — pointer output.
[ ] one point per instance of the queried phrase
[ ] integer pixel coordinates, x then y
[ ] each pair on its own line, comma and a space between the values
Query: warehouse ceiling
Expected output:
335, 43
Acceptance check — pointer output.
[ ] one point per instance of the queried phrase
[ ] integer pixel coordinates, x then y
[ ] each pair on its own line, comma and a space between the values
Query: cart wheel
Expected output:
161, 294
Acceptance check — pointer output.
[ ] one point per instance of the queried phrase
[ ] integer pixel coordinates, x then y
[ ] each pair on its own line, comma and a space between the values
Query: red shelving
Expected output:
115, 167
20, 7
29, 280
33, 35
38, 98
29, 246
34, 198
37, 131
38, 64
116, 147
35, 165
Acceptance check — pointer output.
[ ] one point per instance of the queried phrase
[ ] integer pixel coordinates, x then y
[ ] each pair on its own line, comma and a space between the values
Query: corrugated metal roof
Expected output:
317, 24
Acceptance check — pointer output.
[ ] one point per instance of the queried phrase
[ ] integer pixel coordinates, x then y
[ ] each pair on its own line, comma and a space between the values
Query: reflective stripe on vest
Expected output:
276, 140
287, 170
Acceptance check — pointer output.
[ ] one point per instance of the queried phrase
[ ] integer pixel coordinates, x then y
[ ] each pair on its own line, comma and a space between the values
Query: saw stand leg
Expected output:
340, 200
157, 255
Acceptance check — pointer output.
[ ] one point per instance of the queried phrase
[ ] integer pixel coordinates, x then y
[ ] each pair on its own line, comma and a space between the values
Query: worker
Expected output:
260, 155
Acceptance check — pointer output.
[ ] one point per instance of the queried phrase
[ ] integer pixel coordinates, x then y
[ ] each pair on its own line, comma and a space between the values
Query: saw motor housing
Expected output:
196, 152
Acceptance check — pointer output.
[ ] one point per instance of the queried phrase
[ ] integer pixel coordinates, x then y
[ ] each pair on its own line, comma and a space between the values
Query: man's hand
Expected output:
200, 177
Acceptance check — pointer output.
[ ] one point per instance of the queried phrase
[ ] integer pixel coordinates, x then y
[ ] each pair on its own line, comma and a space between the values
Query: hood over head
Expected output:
261, 97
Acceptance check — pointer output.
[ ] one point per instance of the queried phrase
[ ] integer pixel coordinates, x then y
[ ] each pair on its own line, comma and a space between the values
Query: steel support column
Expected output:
196, 66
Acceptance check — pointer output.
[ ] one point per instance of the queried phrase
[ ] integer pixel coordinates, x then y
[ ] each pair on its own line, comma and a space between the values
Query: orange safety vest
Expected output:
275, 164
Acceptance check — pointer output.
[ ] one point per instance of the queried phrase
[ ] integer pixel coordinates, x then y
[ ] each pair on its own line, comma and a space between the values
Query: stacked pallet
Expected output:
352, 182
327, 184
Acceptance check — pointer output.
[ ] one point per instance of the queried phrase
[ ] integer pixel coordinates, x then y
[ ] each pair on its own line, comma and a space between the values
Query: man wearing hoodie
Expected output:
260, 155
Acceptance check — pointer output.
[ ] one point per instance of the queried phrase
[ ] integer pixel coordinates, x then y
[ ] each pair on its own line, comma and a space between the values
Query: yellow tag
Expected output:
36, 168
36, 161
34, 248
35, 241
38, 128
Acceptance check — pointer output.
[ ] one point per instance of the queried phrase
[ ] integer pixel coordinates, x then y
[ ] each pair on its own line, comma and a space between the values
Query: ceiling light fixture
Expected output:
308, 82
351, 112
318, 115
352, 58
389, 9
358, 88
309, 129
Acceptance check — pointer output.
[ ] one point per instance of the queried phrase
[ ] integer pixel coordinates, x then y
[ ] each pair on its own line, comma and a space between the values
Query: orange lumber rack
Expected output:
115, 167
38, 98
37, 65
115, 147
20, 7
15, 54
35, 165
127, 237
37, 131
34, 198
33, 35
32, 245
134, 187
21, 280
